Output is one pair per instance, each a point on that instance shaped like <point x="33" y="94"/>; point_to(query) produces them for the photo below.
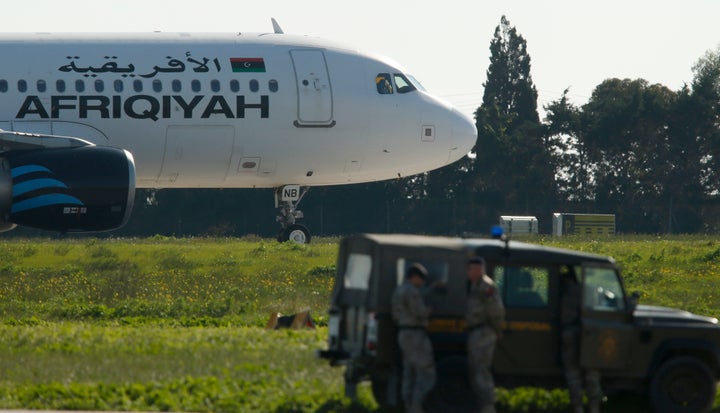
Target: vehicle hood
<point x="651" y="314"/>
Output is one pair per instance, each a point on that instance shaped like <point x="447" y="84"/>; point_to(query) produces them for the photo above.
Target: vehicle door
<point x="606" y="320"/>
<point x="529" y="345"/>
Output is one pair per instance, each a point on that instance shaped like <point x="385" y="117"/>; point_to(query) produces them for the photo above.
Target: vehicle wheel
<point x="296" y="233"/>
<point x="682" y="385"/>
<point x="452" y="392"/>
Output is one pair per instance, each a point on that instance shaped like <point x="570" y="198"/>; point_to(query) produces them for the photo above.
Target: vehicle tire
<point x="452" y="392"/>
<point x="682" y="385"/>
<point x="296" y="233"/>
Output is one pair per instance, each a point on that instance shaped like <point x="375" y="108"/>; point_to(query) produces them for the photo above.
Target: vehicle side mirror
<point x="634" y="300"/>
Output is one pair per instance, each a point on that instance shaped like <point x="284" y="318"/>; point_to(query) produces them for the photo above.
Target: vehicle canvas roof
<point x="493" y="249"/>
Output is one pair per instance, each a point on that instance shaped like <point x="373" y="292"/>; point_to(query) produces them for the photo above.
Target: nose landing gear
<point x="287" y="199"/>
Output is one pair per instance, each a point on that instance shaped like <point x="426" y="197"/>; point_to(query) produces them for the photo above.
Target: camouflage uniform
<point x="411" y="316"/>
<point x="570" y="318"/>
<point x="485" y="314"/>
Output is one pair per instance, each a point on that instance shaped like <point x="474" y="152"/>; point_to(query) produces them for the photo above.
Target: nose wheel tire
<point x="296" y="233"/>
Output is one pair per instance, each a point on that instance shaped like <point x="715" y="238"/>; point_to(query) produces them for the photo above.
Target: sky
<point x="444" y="44"/>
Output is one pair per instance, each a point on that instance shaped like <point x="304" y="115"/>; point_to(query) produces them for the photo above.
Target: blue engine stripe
<point x="27" y="169"/>
<point x="43" y="201"/>
<point x="35" y="184"/>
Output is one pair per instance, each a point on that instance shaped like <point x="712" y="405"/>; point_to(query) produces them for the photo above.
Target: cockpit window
<point x="387" y="83"/>
<point x="416" y="83"/>
<point x="383" y="81"/>
<point x="403" y="84"/>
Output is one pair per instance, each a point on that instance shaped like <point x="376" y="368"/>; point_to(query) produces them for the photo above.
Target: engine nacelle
<point x="83" y="189"/>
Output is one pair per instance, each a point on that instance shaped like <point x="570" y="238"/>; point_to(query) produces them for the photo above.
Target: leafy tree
<point x="512" y="169"/>
<point x="509" y="86"/>
<point x="703" y="113"/>
<point x="626" y="133"/>
<point x="570" y="159"/>
<point x="630" y="151"/>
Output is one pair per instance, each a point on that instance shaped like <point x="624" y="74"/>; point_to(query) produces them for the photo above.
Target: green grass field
<point x="165" y="324"/>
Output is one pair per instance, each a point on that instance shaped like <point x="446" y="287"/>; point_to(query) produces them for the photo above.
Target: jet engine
<point x="78" y="189"/>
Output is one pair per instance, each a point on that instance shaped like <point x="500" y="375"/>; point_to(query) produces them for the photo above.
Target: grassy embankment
<point x="166" y="324"/>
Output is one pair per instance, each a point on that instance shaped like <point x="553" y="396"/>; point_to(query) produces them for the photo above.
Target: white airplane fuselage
<point x="229" y="110"/>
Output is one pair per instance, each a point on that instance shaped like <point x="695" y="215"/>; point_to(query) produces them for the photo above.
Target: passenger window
<point x="99" y="85"/>
<point x="118" y="85"/>
<point x="22" y="86"/>
<point x="79" y="86"/>
<point x="522" y="287"/>
<point x="383" y="82"/>
<point x="603" y="290"/>
<point x="60" y="85"/>
<point x="3" y="86"/>
<point x="41" y="86"/>
<point x="357" y="271"/>
<point x="254" y="85"/>
<point x="157" y="85"/>
<point x="138" y="85"/>
<point x="273" y="85"/>
<point x="402" y="84"/>
<point x="234" y="86"/>
<point x="176" y="85"/>
<point x="195" y="85"/>
<point x="215" y="85"/>
<point x="437" y="273"/>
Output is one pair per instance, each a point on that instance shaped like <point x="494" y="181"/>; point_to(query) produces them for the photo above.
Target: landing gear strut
<point x="287" y="199"/>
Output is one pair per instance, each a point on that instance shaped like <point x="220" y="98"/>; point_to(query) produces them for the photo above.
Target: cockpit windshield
<point x="403" y="84"/>
<point x="388" y="83"/>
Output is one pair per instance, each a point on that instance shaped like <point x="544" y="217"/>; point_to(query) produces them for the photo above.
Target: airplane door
<point x="606" y="321"/>
<point x="315" y="101"/>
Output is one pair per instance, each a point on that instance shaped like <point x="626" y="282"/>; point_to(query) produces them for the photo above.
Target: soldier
<point x="485" y="314"/>
<point x="411" y="315"/>
<point x="570" y="319"/>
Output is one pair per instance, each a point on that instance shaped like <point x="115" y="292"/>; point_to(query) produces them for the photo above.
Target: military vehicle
<point x="669" y="355"/>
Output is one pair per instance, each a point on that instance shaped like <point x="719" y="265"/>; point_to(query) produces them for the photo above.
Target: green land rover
<point x="670" y="355"/>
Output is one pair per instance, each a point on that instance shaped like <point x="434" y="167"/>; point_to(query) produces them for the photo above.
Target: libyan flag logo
<point x="247" y="64"/>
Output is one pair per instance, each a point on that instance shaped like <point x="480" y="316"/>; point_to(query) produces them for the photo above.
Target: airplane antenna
<point x="276" y="26"/>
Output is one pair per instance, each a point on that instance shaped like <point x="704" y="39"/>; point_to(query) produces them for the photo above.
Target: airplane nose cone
<point x="464" y="135"/>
